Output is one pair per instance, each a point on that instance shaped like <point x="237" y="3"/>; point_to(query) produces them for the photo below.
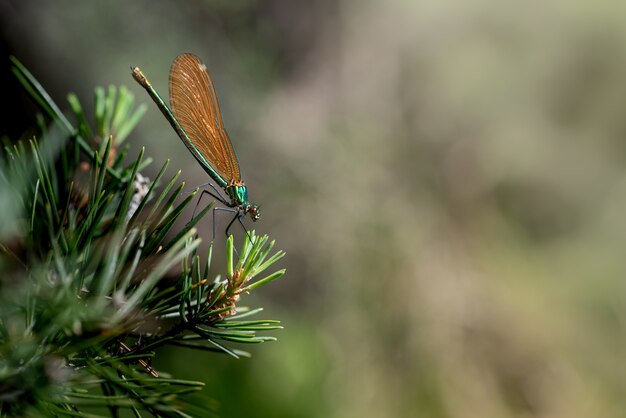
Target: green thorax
<point x="238" y="194"/>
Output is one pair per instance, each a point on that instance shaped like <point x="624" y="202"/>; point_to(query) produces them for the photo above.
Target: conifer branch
<point x="86" y="241"/>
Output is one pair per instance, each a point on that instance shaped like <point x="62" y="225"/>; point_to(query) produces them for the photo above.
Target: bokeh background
<point x="448" y="179"/>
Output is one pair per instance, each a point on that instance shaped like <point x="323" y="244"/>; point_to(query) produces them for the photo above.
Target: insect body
<point x="196" y="118"/>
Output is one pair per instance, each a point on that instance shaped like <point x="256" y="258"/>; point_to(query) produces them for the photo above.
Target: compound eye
<point x="255" y="212"/>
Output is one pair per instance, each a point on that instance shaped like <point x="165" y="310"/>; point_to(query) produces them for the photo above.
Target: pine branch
<point x="85" y="243"/>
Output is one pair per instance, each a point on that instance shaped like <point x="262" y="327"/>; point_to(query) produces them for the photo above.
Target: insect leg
<point x="231" y="222"/>
<point x="217" y="191"/>
<point x="231" y="210"/>
<point x="215" y="196"/>
<point x="240" y="219"/>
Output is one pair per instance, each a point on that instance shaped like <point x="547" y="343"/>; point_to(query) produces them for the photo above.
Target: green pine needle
<point x="88" y="245"/>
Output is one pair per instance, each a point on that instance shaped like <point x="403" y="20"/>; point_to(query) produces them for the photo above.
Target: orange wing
<point x="194" y="103"/>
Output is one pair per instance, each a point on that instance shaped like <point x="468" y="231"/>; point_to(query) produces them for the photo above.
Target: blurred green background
<point x="448" y="180"/>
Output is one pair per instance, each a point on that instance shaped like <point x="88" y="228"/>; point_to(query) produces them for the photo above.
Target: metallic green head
<point x="238" y="193"/>
<point x="254" y="211"/>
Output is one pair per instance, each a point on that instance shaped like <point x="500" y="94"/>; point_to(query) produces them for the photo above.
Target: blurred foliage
<point x="446" y="177"/>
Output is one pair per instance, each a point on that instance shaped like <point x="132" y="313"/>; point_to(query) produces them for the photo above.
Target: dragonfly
<point x="195" y="116"/>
